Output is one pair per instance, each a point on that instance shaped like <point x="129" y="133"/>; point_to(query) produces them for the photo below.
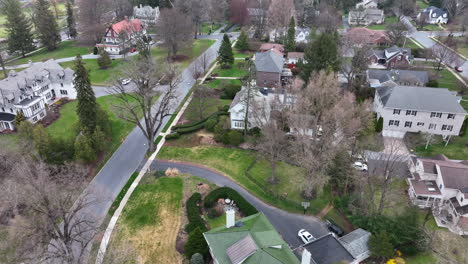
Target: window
<point x="61" y="84"/>
<point x="451" y="116"/>
<point x="440" y="186"/>
<point x="63" y="92"/>
<point x="435" y="114"/>
<point x="432" y="126"/>
<point x="42" y="114"/>
<point x="408" y="124"/>
<point x="409" y="112"/>
<point x="35" y="118"/>
<point x="447" y="127"/>
<point x="396" y="111"/>
<point x="238" y="124"/>
<point x="420" y="124"/>
<point x="394" y="123"/>
<point x="35" y="107"/>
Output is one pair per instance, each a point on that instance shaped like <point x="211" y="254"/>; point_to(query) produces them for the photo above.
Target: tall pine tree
<point x="242" y="43"/>
<point x="291" y="37"/>
<point x="18" y="27"/>
<point x="71" y="24"/>
<point x="87" y="106"/>
<point x="322" y="54"/>
<point x="226" y="57"/>
<point x="46" y="25"/>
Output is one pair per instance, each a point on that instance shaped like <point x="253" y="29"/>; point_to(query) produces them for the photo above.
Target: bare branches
<point x="175" y="29"/>
<point x="140" y="100"/>
<point x="443" y="56"/>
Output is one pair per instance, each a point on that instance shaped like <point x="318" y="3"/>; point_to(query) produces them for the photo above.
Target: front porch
<point x="446" y="216"/>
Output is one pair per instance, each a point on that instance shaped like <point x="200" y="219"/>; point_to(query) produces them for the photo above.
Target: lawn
<point x="388" y="21"/>
<point x="422" y="4"/>
<point x="446" y="79"/>
<point x="238" y="69"/>
<point x="218" y="83"/>
<point x="99" y="76"/>
<point x="66" y="49"/>
<point x="150" y="221"/>
<point x="427" y="27"/>
<point x="235" y="162"/>
<point x="9" y="141"/>
<point x="192" y="114"/>
<point x="456" y="149"/>
<point x="210" y="27"/>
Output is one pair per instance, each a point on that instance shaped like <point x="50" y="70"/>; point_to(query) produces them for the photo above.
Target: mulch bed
<point x="53" y="112"/>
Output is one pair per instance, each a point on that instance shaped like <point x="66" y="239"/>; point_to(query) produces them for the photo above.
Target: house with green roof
<point x="252" y="240"/>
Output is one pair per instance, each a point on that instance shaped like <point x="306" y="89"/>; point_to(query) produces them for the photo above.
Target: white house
<point x="366" y="13"/>
<point x="146" y="14"/>
<point x="302" y="34"/>
<point x="111" y="42"/>
<point x="366" y="4"/>
<point x="418" y="109"/>
<point x="30" y="90"/>
<point x="441" y="184"/>
<point x="434" y="15"/>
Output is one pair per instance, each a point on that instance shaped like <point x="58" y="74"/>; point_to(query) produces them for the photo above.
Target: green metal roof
<point x="271" y="247"/>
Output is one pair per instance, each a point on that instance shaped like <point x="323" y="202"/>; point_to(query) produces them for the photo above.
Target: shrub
<point x="196" y="244"/>
<point x="197" y="258"/>
<point x="193" y="214"/>
<point x="211" y="123"/>
<point x="230" y="91"/>
<point x="95" y="51"/>
<point x="380" y="246"/>
<point x="190" y="129"/>
<point x="226" y="66"/>
<point x="172" y="136"/>
<point x="433" y="83"/>
<point x="104" y="61"/>
<point x="213" y="213"/>
<point x="235" y="138"/>
<point x="379" y="125"/>
<point x="226" y="192"/>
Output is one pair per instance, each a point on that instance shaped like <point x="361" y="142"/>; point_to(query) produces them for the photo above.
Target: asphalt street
<point x="287" y="224"/>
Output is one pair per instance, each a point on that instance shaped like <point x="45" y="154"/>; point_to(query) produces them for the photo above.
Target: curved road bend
<point x="287" y="224"/>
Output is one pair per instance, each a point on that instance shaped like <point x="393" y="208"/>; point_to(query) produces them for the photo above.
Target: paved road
<point x="287" y="224"/>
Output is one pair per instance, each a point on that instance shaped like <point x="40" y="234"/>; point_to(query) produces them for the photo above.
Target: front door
<point x="53" y="94"/>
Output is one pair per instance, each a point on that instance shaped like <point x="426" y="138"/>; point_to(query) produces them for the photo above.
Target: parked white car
<point x="125" y="81"/>
<point x="360" y="166"/>
<point x="305" y="236"/>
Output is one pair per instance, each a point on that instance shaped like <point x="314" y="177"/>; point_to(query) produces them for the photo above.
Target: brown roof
<point x="463" y="223"/>
<point x="269" y="46"/>
<point x="422" y="187"/>
<point x="454" y="174"/>
<point x="361" y="35"/>
<point x="296" y="55"/>
<point x="429" y="167"/>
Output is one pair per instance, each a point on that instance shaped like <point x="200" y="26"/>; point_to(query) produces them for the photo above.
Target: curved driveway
<point x="287" y="224"/>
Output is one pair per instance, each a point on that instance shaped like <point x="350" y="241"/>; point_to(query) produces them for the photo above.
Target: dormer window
<point x="445" y="15"/>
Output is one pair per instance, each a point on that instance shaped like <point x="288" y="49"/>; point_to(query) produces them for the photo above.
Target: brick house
<point x="269" y="67"/>
<point x="393" y="57"/>
<point x="360" y="36"/>
<point x="111" y="41"/>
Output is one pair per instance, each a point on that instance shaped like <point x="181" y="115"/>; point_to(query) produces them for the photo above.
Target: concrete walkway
<point x="395" y="146"/>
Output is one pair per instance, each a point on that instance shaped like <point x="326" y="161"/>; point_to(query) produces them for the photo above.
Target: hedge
<point x="226" y="192"/>
<point x="193" y="214"/>
<point x="215" y="114"/>
<point x="190" y="129"/>
<point x="175" y="135"/>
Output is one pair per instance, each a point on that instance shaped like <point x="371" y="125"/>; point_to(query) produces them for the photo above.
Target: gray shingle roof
<point x="420" y="98"/>
<point x="269" y="62"/>
<point x="399" y="75"/>
<point x="438" y="11"/>
<point x="356" y="242"/>
<point x="7" y="117"/>
<point x="328" y="250"/>
<point x="241" y="250"/>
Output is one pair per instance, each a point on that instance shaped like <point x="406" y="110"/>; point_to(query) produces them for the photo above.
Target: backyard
<point x="388" y="21"/>
<point x="238" y="69"/>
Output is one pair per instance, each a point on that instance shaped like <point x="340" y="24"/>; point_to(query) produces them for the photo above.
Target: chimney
<point x="306" y="257"/>
<point x="230" y="217"/>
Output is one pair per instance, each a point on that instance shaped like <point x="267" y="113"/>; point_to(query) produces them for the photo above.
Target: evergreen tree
<point x="290" y="42"/>
<point x="226" y="57"/>
<point x="322" y="54"/>
<point x="99" y="139"/>
<point x="84" y="149"/>
<point x="19" y="118"/>
<point x="242" y="43"/>
<point x="46" y="25"/>
<point x="18" y="28"/>
<point x="104" y="61"/>
<point x="197" y="258"/>
<point x="42" y="141"/>
<point x="380" y="246"/>
<point x="87" y="107"/>
<point x="71" y="24"/>
<point x="196" y="244"/>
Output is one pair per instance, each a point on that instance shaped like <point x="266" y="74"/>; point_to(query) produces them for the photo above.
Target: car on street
<point x="458" y="69"/>
<point x="360" y="166"/>
<point x="125" y="81"/>
<point x="332" y="227"/>
<point x="305" y="236"/>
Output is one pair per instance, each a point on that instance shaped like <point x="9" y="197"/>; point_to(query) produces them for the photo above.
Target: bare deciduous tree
<point x="196" y="9"/>
<point x="50" y="218"/>
<point x="217" y="10"/>
<point x="140" y="100"/>
<point x="443" y="56"/>
<point x="175" y="29"/>
<point x="200" y="100"/>
<point x="396" y="33"/>
<point x="238" y="12"/>
<point x="91" y="20"/>
<point x="358" y="15"/>
<point x="258" y="17"/>
<point x="328" y="19"/>
<point x="357" y="66"/>
<point x="324" y="119"/>
<point x="280" y="13"/>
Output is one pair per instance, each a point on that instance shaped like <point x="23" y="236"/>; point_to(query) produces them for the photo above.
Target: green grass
<point x="192" y="113"/>
<point x="216" y="222"/>
<point x="410" y="43"/>
<point x="206" y="26"/>
<point x="336" y="217"/>
<point x="99" y="76"/>
<point x="218" y="83"/>
<point x="122" y="193"/>
<point x="447" y="80"/>
<point x="422" y="258"/>
<point x="427" y="27"/>
<point x="9" y="141"/>
<point x="234" y="163"/>
<point x="236" y="70"/>
<point x="456" y="149"/>
<point x="464" y="103"/>
<point x="388" y="21"/>
<point x="422" y="4"/>
<point x="66" y="49"/>
<point x="141" y="210"/>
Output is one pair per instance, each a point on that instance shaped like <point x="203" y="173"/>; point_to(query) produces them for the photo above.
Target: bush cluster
<point x="193" y="214"/>
<point x="226" y="192"/>
<point x="192" y="127"/>
<point x="230" y="91"/>
<point x="174" y="135"/>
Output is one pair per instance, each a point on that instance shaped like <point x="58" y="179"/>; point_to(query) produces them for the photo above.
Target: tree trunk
<point x="2" y="63"/>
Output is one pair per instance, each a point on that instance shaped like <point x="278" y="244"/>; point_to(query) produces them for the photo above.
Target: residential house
<point x="301" y="36"/>
<point x="328" y="249"/>
<point x="269" y="69"/>
<point x="419" y="109"/>
<point x="30" y="90"/>
<point x="441" y="184"/>
<point x="294" y="57"/>
<point x="251" y="240"/>
<point x="277" y="48"/>
<point x="147" y="15"/>
<point x="360" y="36"/>
<point x="434" y="15"/>
<point x="367" y="4"/>
<point x="393" y="57"/>
<point x="112" y="43"/>
<point x="366" y="16"/>
<point x="379" y="78"/>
